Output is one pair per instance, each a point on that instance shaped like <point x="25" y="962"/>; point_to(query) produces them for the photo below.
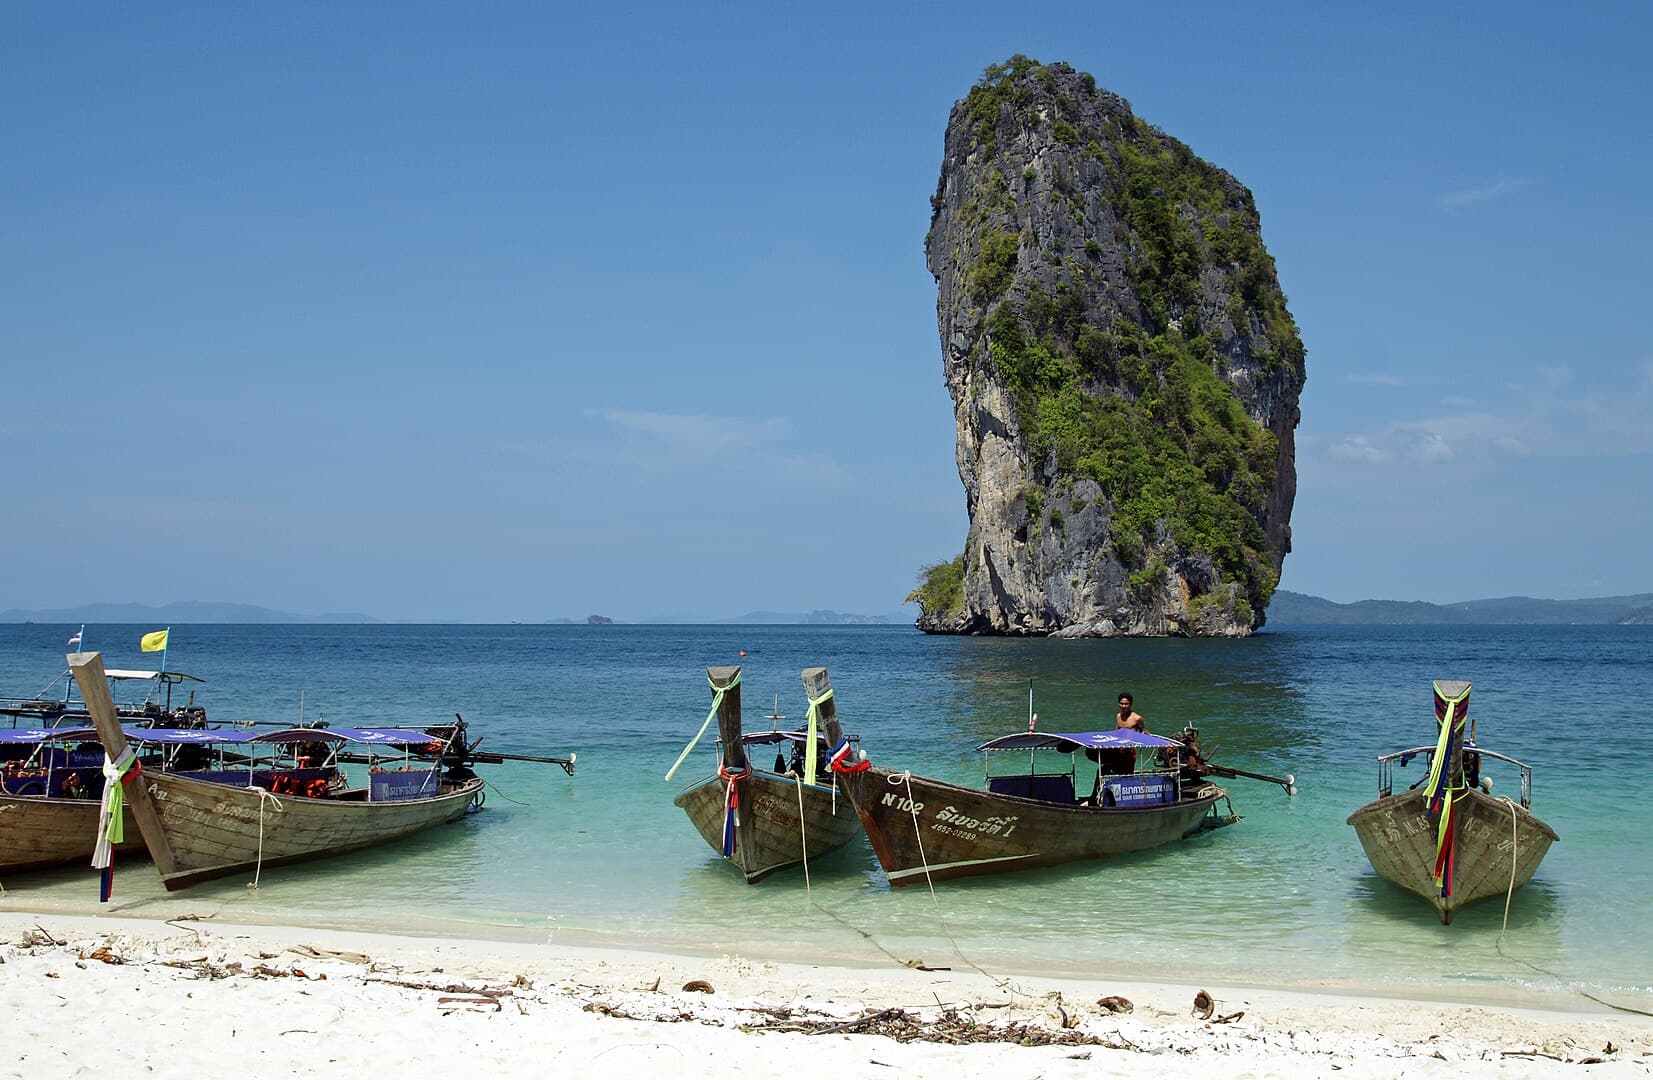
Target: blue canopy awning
<point x="40" y="735"/>
<point x="133" y="734"/>
<point x="1069" y="741"/>
<point x="380" y="736"/>
<point x="209" y="736"/>
<point x="186" y="736"/>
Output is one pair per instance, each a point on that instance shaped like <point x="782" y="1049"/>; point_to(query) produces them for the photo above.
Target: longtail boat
<point x="1447" y="839"/>
<point x="930" y="830"/>
<point x="763" y="820"/>
<point x="54" y="707"/>
<point x="247" y="817"/>
<point x="50" y="782"/>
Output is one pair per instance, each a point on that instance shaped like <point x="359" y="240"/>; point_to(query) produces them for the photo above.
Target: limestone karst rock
<point x="1124" y="372"/>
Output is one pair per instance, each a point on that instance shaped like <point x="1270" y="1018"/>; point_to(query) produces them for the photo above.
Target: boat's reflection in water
<point x="1389" y="923"/>
<point x="435" y="870"/>
<point x="1244" y="700"/>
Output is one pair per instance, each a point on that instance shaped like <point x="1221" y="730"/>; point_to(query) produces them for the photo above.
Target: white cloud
<point x="1439" y="439"/>
<point x="659" y="441"/>
<point x="696" y="435"/>
<point x="1458" y="200"/>
<point x="1431" y="448"/>
<point x="1545" y="413"/>
<point x="1360" y="448"/>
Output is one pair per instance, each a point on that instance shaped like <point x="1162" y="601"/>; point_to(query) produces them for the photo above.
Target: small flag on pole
<point x="78" y="634"/>
<point x="155" y="642"/>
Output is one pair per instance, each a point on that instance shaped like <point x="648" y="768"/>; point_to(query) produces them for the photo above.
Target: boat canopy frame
<point x="795" y="739"/>
<point x="162" y="680"/>
<point x="1386" y="768"/>
<point x="166" y="743"/>
<point x="771" y="738"/>
<point x="1070" y="742"/>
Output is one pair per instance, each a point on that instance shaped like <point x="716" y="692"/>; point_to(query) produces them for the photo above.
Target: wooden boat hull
<point x="216" y="829"/>
<point x="963" y="832"/>
<point x="768" y="837"/>
<point x="37" y="832"/>
<point x="1400" y="844"/>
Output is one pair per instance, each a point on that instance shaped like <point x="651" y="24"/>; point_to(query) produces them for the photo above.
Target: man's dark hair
<point x="1127" y="698"/>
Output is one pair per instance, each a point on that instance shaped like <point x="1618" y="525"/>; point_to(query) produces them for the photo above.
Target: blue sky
<point x="435" y="313"/>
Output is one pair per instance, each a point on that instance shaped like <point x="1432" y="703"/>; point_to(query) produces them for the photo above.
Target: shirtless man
<point x="1123" y="762"/>
<point x="1120" y="762"/>
<point x="1128" y="717"/>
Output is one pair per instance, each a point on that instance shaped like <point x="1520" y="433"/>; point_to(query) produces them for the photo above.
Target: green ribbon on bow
<point x="810" y="752"/>
<point x="114" y="804"/>
<point x="717" y="699"/>
<point x="116" y="832"/>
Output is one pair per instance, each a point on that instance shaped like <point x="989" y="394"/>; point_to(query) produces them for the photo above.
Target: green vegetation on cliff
<point x="940" y="589"/>
<point x="1172" y="447"/>
<point x="1182" y="216"/>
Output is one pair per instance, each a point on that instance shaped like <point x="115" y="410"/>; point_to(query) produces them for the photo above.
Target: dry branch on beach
<point x="949" y="1026"/>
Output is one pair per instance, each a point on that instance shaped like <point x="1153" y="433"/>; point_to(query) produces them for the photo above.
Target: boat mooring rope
<point x="263" y="797"/>
<point x="803" y="836"/>
<point x="809" y="890"/>
<point x="1515" y="857"/>
<point x="905" y="776"/>
<point x="495" y="788"/>
<point x="1515" y="854"/>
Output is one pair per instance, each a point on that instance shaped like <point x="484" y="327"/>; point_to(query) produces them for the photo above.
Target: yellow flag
<point x="154" y="642"/>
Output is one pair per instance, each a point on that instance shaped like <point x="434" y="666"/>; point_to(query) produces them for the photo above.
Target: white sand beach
<point x="86" y="995"/>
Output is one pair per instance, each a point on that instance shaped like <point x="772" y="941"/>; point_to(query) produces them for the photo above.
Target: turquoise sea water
<point x="1284" y="896"/>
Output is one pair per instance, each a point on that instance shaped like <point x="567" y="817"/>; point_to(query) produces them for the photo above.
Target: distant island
<point x="196" y="611"/>
<point x="184" y="611"/>
<point x="1298" y="609"/>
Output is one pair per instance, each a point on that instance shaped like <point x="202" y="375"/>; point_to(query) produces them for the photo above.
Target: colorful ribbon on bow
<point x="731" y="807"/>
<point x="111" y="816"/>
<point x="840" y="753"/>
<point x="1440" y="793"/>
<point x="717" y="699"/>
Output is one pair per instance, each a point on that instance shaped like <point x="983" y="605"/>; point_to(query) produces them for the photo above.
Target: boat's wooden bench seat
<point x="1055" y="789"/>
<point x="260" y="777"/>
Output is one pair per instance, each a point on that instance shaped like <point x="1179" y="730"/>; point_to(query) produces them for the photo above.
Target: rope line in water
<point x="1515" y="857"/>
<point x="809" y="890"/>
<point x="905" y="776"/>
<point x="803" y="838"/>
<point x="1515" y="854"/>
<point x="501" y="794"/>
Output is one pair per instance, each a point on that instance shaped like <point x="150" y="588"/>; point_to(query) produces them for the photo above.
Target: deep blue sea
<point x="1283" y="896"/>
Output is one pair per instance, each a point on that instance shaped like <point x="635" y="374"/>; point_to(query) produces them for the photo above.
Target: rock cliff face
<point x="1124" y="372"/>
